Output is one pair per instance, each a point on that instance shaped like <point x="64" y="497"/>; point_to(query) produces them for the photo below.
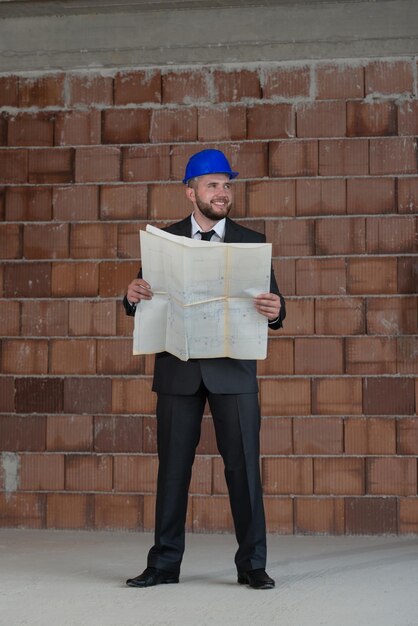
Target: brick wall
<point x="327" y="154"/>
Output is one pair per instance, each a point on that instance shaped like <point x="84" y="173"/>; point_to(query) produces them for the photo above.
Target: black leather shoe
<point x="152" y="576"/>
<point x="256" y="578"/>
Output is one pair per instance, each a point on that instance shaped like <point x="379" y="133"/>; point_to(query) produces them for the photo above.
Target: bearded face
<point x="213" y="196"/>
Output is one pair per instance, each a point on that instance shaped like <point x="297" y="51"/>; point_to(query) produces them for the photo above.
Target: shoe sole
<point x="162" y="582"/>
<point x="245" y="581"/>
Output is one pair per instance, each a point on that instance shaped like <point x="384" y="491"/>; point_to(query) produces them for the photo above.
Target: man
<point x="229" y="385"/>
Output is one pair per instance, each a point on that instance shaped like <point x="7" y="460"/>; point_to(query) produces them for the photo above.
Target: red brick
<point x="13" y="166"/>
<point x="88" y="473"/>
<point x="296" y="158"/>
<point x="293" y="237"/>
<point x="287" y="476"/>
<point x="392" y="476"/>
<point x="320" y="277"/>
<point x="114" y="356"/>
<point x="211" y="513"/>
<point x="2" y="203"/>
<point x="10" y="241"/>
<point x="75" y="279"/>
<point x="9" y="318"/>
<point x="39" y="472"/>
<point x="168" y="202"/>
<point x="372" y="276"/>
<point x="137" y="87"/>
<point x="339" y="81"/>
<point x="280" y="358"/>
<point x="392" y="316"/>
<point x="235" y="85"/>
<point x="318" y="436"/>
<point x="218" y="477"/>
<point x="321" y="119"/>
<point x="24" y="356"/>
<point x="98" y="164"/>
<point x="340" y="236"/>
<point x="69" y="432"/>
<point x="371" y="435"/>
<point x="271" y="198"/>
<point x="371" y="516"/>
<point x="21" y="509"/>
<point x="270" y="121"/>
<point x="299" y="319"/>
<point x="319" y="516"/>
<point x="337" y="396"/>
<point x="123" y="202"/>
<point x="408" y="515"/>
<point x="201" y="482"/>
<point x="339" y="476"/>
<point x="180" y="154"/>
<point x="115" y="433"/>
<point x="9" y="91"/>
<point x="185" y="87"/>
<point x="25" y="280"/>
<point x="276" y="436"/>
<point x="126" y="126"/>
<point x="408" y="195"/>
<point x="28" y="204"/>
<point x="7" y="394"/>
<point x="90" y="89"/>
<point x="397" y="155"/>
<point x="46" y="241"/>
<point x="87" y="395"/>
<point x="289" y="396"/>
<point x="143" y="163"/>
<point x="249" y="159"/>
<point x="3" y="129"/>
<point x="392" y="235"/>
<point x="73" y="356"/>
<point x="132" y="396"/>
<point x="92" y="318"/>
<point x="136" y="473"/>
<point x="128" y="240"/>
<point x="77" y="128"/>
<point x="30" y="129"/>
<point x="407" y="435"/>
<point x="319" y="355"/>
<point x="93" y="241"/>
<point x="389" y="77"/>
<point x="118" y="512"/>
<point x="170" y="125"/>
<point x="115" y="277"/>
<point x="407" y="274"/>
<point x="22" y="433"/>
<point x="76" y="203"/>
<point x="368" y="195"/>
<point x="54" y="165"/>
<point x="279" y="515"/>
<point x="42" y="91"/>
<point x="408" y="118"/>
<point x="340" y="316"/>
<point x="343" y="157"/>
<point x="69" y="511"/>
<point x="284" y="271"/>
<point x="221" y="123"/>
<point x="320" y="197"/>
<point x="388" y="396"/>
<point x="38" y="395"/>
<point x="407" y="355"/>
<point x="371" y="119"/>
<point x="370" y="355"/>
<point x="286" y="82"/>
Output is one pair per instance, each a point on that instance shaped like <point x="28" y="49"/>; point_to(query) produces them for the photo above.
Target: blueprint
<point x="202" y="305"/>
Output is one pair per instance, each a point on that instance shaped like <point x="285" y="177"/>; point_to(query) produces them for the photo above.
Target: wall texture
<point x="327" y="155"/>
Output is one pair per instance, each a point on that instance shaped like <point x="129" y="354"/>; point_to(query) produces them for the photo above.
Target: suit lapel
<point x="233" y="233"/>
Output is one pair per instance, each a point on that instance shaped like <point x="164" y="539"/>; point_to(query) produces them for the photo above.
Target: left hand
<point x="268" y="304"/>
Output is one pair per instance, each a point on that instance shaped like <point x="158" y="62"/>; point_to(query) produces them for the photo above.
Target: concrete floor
<point x="65" y="578"/>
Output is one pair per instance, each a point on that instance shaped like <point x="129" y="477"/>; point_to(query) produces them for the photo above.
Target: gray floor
<point x="65" y="578"/>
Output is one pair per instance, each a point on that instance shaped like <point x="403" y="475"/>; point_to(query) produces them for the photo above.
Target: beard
<point x="213" y="213"/>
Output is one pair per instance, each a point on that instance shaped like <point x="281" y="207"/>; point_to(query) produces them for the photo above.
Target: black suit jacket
<point x="222" y="375"/>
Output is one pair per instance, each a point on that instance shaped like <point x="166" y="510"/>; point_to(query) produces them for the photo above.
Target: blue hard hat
<point x="208" y="162"/>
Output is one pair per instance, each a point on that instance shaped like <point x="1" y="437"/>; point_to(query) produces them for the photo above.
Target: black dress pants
<point x="237" y="424"/>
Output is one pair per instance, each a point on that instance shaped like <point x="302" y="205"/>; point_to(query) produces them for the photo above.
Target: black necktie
<point x="207" y="236"/>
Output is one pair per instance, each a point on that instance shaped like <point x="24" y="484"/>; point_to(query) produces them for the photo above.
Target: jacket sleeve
<point x="130" y="308"/>
<point x="277" y="323"/>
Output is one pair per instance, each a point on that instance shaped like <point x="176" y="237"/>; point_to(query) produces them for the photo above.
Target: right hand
<point x="138" y="290"/>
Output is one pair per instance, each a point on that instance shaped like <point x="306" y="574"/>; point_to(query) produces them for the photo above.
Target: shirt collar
<point x="219" y="227"/>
